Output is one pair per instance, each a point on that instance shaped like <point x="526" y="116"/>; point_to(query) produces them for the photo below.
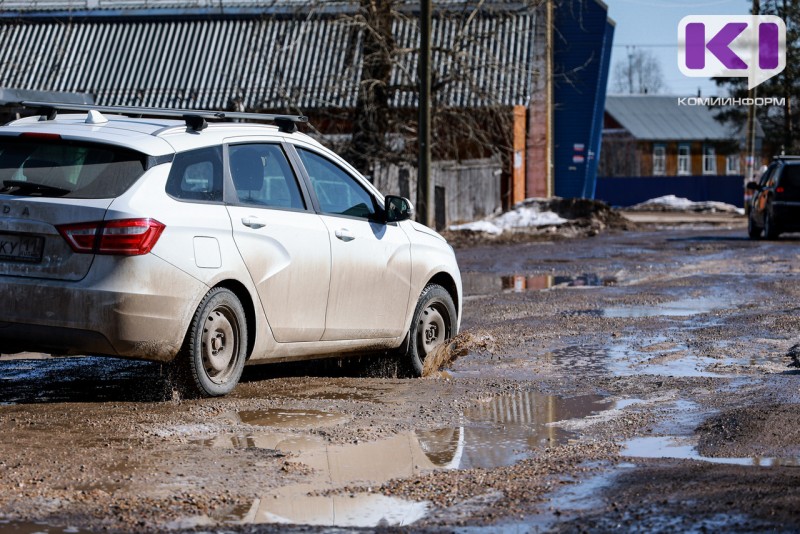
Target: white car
<point x="209" y="245"/>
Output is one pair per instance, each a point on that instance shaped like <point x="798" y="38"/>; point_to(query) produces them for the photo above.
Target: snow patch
<point x="671" y="202"/>
<point x="520" y="217"/>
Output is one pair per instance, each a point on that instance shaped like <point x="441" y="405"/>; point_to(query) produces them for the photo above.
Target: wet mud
<point x="631" y="381"/>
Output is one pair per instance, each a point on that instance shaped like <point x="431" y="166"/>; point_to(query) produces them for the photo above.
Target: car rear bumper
<point x="135" y="307"/>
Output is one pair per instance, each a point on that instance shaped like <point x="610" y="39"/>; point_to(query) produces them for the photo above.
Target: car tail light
<point x="126" y="237"/>
<point x="779" y="189"/>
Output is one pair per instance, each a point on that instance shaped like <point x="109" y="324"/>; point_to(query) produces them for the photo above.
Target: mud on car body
<point x="208" y="245"/>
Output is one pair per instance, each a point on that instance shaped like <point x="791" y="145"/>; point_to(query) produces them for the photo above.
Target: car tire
<point x="212" y="360"/>
<point x="433" y="323"/>
<point x="752" y="230"/>
<point x="771" y="230"/>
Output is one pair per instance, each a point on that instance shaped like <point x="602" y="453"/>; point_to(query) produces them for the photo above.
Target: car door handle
<point x="253" y="222"/>
<point x="344" y="234"/>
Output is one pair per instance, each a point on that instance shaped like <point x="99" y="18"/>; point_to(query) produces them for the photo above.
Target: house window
<point x="659" y="160"/>
<point x="684" y="161"/>
<point x="732" y="164"/>
<point x="709" y="160"/>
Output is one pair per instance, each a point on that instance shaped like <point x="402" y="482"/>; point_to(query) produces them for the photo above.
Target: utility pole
<point x="425" y="207"/>
<point x="750" y="149"/>
<point x="631" y="50"/>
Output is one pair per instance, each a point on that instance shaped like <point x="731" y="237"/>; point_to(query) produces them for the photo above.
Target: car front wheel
<point x="215" y="350"/>
<point x="434" y="322"/>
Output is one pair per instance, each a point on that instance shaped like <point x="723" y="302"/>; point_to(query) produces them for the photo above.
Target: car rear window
<point x="61" y="168"/>
<point x="790" y="177"/>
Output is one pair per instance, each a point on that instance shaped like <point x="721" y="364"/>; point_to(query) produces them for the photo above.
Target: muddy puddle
<point x="495" y="432"/>
<point x="677" y="308"/>
<point x="684" y="448"/>
<point x="572" y="497"/>
<point x="623" y="357"/>
<point x="13" y="527"/>
<point x="283" y="418"/>
<point x="36" y="378"/>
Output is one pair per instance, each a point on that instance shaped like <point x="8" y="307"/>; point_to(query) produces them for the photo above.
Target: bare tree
<point x="639" y="73"/>
<point x="371" y="114"/>
<point x="471" y="114"/>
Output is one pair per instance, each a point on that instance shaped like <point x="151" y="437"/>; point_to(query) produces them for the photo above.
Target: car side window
<point x="196" y="175"/>
<point x="338" y="192"/>
<point x="262" y="176"/>
<point x="766" y="179"/>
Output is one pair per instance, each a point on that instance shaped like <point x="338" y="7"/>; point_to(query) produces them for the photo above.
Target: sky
<point x="653" y="25"/>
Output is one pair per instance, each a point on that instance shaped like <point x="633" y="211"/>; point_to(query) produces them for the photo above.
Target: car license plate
<point x="18" y="247"/>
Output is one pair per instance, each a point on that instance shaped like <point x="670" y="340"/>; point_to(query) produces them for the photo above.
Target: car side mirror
<point x="753" y="186"/>
<point x="398" y="208"/>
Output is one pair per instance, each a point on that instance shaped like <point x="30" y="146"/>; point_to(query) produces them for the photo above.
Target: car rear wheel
<point x="771" y="230"/>
<point x="216" y="346"/>
<point x="434" y="322"/>
<point x="752" y="230"/>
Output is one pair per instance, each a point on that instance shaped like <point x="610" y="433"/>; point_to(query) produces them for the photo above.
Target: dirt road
<point x="632" y="381"/>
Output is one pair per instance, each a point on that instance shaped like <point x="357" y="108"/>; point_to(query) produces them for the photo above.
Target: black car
<point x="775" y="206"/>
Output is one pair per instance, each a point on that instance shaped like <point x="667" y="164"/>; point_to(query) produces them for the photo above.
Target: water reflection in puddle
<point x="684" y="449"/>
<point x="497" y="432"/>
<point x="508" y="428"/>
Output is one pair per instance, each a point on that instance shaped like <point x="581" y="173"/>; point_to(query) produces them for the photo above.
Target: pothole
<point x="676" y="308"/>
<point x="497" y="432"/>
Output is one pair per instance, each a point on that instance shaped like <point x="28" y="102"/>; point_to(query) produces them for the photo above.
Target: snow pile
<point x="673" y="203"/>
<point x="522" y="216"/>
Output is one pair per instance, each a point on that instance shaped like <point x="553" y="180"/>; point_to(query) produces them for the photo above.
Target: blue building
<point x="582" y="52"/>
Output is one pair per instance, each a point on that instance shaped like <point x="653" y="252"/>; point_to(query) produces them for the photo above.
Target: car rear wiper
<point x="21" y="187"/>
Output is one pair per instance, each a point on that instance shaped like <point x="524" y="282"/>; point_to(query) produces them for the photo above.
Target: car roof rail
<point x="195" y="118"/>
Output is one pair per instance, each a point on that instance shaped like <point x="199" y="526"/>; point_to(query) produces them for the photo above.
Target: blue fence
<point x="625" y="192"/>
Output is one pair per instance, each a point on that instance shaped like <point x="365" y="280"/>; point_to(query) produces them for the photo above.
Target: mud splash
<point x="444" y="355"/>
